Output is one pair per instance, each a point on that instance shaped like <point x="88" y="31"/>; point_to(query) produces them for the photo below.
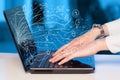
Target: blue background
<point x="108" y="10"/>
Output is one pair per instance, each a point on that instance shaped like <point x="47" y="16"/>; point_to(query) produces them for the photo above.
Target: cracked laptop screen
<point x="43" y="27"/>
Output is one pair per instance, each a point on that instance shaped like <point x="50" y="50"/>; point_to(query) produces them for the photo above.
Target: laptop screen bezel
<point x="12" y="34"/>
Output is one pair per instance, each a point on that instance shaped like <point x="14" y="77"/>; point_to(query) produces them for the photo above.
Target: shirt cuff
<point x="113" y="43"/>
<point x="113" y="27"/>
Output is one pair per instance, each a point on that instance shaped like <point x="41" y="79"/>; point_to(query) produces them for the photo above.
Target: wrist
<point x="99" y="31"/>
<point x="95" y="32"/>
<point x="105" y="29"/>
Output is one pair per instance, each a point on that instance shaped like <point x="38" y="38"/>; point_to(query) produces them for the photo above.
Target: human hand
<point x="75" y="51"/>
<point x="79" y="51"/>
<point x="82" y="40"/>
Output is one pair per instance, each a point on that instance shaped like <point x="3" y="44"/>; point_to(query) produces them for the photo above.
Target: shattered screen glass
<point x="43" y="27"/>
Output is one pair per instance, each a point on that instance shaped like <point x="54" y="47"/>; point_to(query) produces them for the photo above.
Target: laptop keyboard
<point x="42" y="61"/>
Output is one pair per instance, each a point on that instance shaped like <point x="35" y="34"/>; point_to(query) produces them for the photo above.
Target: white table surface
<point x="107" y="68"/>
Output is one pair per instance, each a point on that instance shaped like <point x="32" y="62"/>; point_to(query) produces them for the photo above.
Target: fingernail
<point x="50" y="60"/>
<point x="59" y="63"/>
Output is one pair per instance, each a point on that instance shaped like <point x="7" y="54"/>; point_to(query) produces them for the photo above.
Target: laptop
<point x="36" y="42"/>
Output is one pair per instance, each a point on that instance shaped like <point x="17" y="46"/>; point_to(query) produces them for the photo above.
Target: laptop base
<point x="62" y="71"/>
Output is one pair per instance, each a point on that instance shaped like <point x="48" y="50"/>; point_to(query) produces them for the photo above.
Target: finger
<point x="66" y="59"/>
<point x="60" y="50"/>
<point x="59" y="57"/>
<point x="64" y="53"/>
<point x="53" y="59"/>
